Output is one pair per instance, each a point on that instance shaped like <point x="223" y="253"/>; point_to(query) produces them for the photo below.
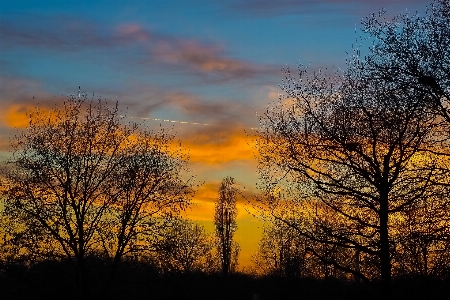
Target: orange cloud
<point x="215" y="145"/>
<point x="17" y="115"/>
<point x="202" y="208"/>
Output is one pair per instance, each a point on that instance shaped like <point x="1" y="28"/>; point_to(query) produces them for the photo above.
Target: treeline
<point x="282" y="252"/>
<point x="354" y="172"/>
<point x="140" y="280"/>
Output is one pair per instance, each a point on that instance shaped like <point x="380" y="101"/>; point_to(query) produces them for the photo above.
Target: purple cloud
<point x="148" y="100"/>
<point x="57" y="33"/>
<point x="151" y="48"/>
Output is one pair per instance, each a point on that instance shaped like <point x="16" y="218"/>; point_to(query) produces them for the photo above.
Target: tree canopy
<point x="345" y="158"/>
<point x="83" y="183"/>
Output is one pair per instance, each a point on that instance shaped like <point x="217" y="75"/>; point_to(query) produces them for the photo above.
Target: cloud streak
<point x="149" y="48"/>
<point x="56" y="33"/>
<point x="205" y="59"/>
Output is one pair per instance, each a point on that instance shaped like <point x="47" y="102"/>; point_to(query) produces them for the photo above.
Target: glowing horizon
<point x="202" y="69"/>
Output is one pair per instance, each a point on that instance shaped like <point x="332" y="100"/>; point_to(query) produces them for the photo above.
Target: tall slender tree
<point x="225" y="223"/>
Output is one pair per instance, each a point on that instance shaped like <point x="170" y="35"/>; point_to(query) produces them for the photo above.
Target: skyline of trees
<point x="354" y="172"/>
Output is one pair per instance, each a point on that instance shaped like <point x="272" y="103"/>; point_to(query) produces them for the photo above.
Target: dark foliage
<point x="53" y="280"/>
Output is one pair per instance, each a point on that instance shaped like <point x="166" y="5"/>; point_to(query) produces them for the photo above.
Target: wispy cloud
<point x="132" y="33"/>
<point x="15" y="89"/>
<point x="200" y="57"/>
<point x="61" y="34"/>
<point x="147" y="101"/>
<point x="217" y="111"/>
<point x="205" y="59"/>
<point x="56" y="33"/>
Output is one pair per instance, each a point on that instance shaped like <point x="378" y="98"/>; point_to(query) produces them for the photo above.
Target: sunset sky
<point x="207" y="66"/>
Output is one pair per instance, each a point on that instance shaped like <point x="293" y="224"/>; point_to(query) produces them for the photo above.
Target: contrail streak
<point x="176" y="121"/>
<point x="169" y="121"/>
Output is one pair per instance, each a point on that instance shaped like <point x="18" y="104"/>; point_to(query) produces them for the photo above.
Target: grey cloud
<point x="147" y="101"/>
<point x="66" y="34"/>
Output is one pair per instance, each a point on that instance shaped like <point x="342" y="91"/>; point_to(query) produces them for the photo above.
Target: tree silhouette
<point x="422" y="239"/>
<point x="183" y="246"/>
<point x="361" y="150"/>
<point x="414" y="51"/>
<point x="281" y="252"/>
<point x="225" y="223"/>
<point x="81" y="183"/>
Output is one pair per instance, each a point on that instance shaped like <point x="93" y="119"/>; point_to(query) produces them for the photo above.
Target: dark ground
<point x="51" y="280"/>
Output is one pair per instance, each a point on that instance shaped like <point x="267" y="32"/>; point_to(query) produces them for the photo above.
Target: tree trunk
<point x="82" y="279"/>
<point x="425" y="260"/>
<point x="385" y="257"/>
<point x="111" y="275"/>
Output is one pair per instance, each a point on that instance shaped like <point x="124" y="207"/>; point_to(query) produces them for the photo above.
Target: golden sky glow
<point x="212" y="148"/>
<point x="194" y="62"/>
<point x="249" y="228"/>
<point x="16" y="116"/>
<point x="214" y="153"/>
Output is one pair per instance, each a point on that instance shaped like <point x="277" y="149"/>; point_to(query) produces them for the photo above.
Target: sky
<point x="204" y="69"/>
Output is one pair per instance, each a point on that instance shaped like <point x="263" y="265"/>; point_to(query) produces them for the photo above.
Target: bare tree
<point x="150" y="189"/>
<point x="422" y="237"/>
<point x="355" y="144"/>
<point x="367" y="148"/>
<point x="184" y="246"/>
<point x="225" y="223"/>
<point x="280" y="251"/>
<point x="83" y="183"/>
<point x="414" y="51"/>
<point x="283" y="252"/>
